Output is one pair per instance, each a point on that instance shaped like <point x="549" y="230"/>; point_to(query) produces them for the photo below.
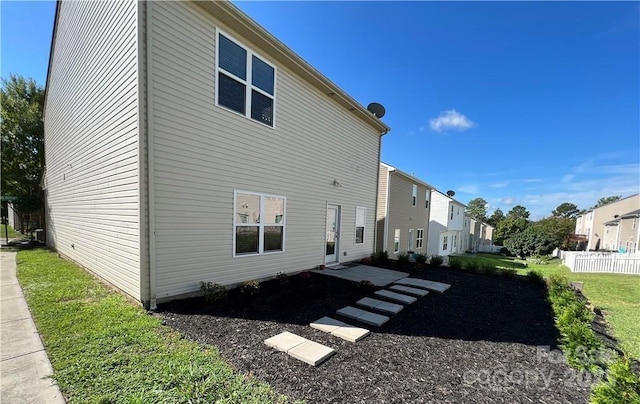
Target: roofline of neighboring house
<point x="635" y="213"/>
<point x="407" y="175"/>
<point x="447" y="196"/>
<point x="51" y="49"/>
<point x="233" y="17"/>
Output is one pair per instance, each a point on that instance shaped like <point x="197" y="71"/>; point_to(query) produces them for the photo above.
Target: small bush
<point x="540" y="259"/>
<point x="455" y="263"/>
<point x="489" y="269"/>
<point x="420" y="258"/>
<point x="622" y="385"/>
<point x="283" y="279"/>
<point x="366" y="286"/>
<point x="403" y="258"/>
<point x="472" y="265"/>
<point x="535" y="276"/>
<point x="436" y="260"/>
<point x="250" y="288"/>
<point x="380" y="257"/>
<point x="213" y="292"/>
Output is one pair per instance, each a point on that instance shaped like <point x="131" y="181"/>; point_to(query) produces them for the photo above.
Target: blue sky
<point x="530" y="103"/>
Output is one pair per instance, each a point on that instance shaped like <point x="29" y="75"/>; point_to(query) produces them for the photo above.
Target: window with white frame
<point x="635" y="222"/>
<point x="445" y="243"/>
<point x="245" y="82"/>
<point x="455" y="240"/>
<point x="410" y="241"/>
<point x="258" y="223"/>
<point x="451" y="212"/>
<point x="426" y="198"/>
<point x="414" y="195"/>
<point x="396" y="240"/>
<point x="419" y="238"/>
<point x="361" y="218"/>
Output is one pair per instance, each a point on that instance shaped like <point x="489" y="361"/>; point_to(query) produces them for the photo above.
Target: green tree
<point x="605" y="201"/>
<point x="531" y="241"/>
<point x="477" y="208"/>
<point x="496" y="217"/>
<point x="519" y="212"/>
<point x="558" y="228"/>
<point x="567" y="210"/>
<point x="22" y="152"/>
<point x="516" y="221"/>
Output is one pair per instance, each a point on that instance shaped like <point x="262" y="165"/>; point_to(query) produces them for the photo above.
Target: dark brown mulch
<point x="481" y="341"/>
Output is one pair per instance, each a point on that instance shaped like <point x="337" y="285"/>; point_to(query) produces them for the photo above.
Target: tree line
<point x="523" y="237"/>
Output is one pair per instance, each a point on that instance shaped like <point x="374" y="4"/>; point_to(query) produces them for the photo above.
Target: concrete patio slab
<point x="380" y="305"/>
<point x="285" y="341"/>
<point x="377" y="276"/>
<point x="311" y="352"/>
<point x="327" y="324"/>
<point x="14" y="309"/>
<point x="424" y="284"/>
<point x="409" y="290"/>
<point x="396" y="297"/>
<point x="363" y="316"/>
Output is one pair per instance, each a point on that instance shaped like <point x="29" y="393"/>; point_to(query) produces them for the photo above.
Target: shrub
<point x="472" y="265"/>
<point x="380" y="257"/>
<point x="250" y="288"/>
<point x="436" y="260"/>
<point x="535" y="276"/>
<point x="366" y="286"/>
<point x="622" y="385"/>
<point x="283" y="279"/>
<point x="421" y="258"/>
<point x="540" y="259"/>
<point x="213" y="292"/>
<point x="455" y="263"/>
<point x="403" y="258"/>
<point x="488" y="268"/>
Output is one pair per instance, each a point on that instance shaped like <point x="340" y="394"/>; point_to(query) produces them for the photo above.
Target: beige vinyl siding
<point x="202" y="153"/>
<point x="91" y="141"/>
<point x="402" y="215"/>
<point x="381" y="209"/>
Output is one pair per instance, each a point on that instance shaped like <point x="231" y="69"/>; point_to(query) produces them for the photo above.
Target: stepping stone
<point x="339" y="329"/>
<point x="396" y="297"/>
<point x="409" y="290"/>
<point x="363" y="316"/>
<point x="311" y="352"/>
<point x="285" y="341"/>
<point x="424" y="284"/>
<point x="380" y="305"/>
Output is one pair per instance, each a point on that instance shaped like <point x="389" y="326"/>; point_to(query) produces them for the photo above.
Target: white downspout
<point x="150" y="161"/>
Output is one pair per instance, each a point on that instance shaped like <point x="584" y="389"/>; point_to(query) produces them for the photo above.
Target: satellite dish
<point x="376" y="109"/>
<point x="450" y="193"/>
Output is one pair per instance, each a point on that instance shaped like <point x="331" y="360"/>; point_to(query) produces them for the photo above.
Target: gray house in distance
<point x="184" y="143"/>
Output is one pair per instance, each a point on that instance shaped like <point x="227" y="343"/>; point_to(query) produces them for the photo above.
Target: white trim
<point x="410" y="241"/>
<point x="396" y="239"/>
<point x="419" y="232"/>
<point x="339" y="226"/>
<point x="150" y="161"/>
<point x="364" y="227"/>
<point x="261" y="225"/>
<point x="414" y="195"/>
<point x="385" y="246"/>
<point x="247" y="82"/>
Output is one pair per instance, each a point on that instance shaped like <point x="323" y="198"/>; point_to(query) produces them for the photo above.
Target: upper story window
<point x="635" y="222"/>
<point x="245" y="82"/>
<point x="426" y="198"/>
<point x="414" y="195"/>
<point x="451" y="212"/>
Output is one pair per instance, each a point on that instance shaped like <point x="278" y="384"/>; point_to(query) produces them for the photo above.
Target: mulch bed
<point x="478" y="342"/>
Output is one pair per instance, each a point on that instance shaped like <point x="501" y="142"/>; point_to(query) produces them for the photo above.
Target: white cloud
<point x="469" y="189"/>
<point x="499" y="184"/>
<point x="567" y="178"/>
<point x="451" y="120"/>
<point x="507" y="201"/>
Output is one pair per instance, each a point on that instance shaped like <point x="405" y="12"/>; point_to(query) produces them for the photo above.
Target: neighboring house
<point x="446" y="225"/>
<point x="594" y="223"/>
<point x="184" y="143"/>
<point x="479" y="235"/>
<point x="402" y="218"/>
<point x="623" y="233"/>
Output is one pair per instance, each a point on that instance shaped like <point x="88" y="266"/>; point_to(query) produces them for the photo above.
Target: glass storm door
<point x="333" y="234"/>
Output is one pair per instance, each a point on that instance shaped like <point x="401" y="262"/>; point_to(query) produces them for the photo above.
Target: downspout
<point x="385" y="240"/>
<point x="375" y="231"/>
<point x="150" y="161"/>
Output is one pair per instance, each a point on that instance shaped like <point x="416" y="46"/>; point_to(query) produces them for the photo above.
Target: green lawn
<point x="106" y="349"/>
<point x="12" y="233"/>
<point x="617" y="295"/>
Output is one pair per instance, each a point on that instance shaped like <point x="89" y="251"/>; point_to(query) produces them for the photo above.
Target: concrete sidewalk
<point x="24" y="364"/>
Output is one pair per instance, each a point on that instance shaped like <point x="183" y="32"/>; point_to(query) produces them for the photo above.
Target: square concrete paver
<point x="424" y="284"/>
<point x="285" y="341"/>
<point x="396" y="297"/>
<point x="363" y="316"/>
<point x="14" y="309"/>
<point x="311" y="352"/>
<point x="438" y="287"/>
<point x="350" y="333"/>
<point x="377" y="276"/>
<point x="409" y="290"/>
<point x="327" y="324"/>
<point x="380" y="305"/>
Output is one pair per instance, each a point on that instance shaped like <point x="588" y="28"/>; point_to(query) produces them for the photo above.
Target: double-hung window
<point x="258" y="222"/>
<point x="361" y="218"/>
<point x="414" y="195"/>
<point x="419" y="238"/>
<point x="245" y="82"/>
<point x="426" y="198"/>
<point x="445" y="243"/>
<point x="396" y="240"/>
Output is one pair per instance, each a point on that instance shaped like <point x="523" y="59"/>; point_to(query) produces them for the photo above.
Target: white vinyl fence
<point x="489" y="248"/>
<point x="601" y="262"/>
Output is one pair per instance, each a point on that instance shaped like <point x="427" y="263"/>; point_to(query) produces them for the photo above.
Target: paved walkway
<point x="24" y="364"/>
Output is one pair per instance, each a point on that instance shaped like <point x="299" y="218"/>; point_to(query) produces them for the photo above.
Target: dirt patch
<point x="480" y="341"/>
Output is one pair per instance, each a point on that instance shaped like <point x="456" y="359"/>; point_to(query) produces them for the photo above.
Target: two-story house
<point x="446" y="225"/>
<point x="185" y="143"/>
<point x="596" y="224"/>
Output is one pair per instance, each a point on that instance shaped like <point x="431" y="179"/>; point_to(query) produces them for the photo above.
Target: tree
<point x="509" y="227"/>
<point x="567" y="210"/>
<point x="519" y="212"/>
<point x="532" y="241"/>
<point x="496" y="217"/>
<point x="605" y="201"/>
<point x="558" y="228"/>
<point x="22" y="142"/>
<point x="477" y="208"/>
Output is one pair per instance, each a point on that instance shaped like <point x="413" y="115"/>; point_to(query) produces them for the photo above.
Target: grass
<point x="11" y="231"/>
<point x="618" y="296"/>
<point x="105" y="349"/>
